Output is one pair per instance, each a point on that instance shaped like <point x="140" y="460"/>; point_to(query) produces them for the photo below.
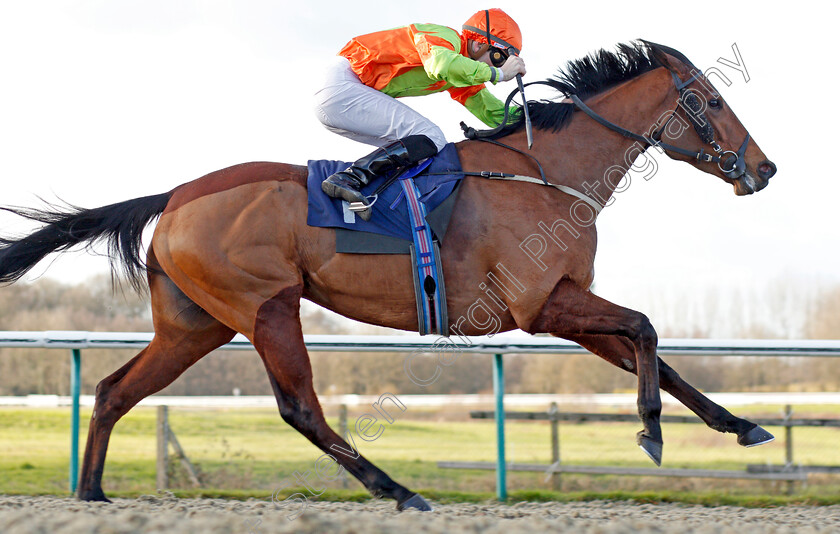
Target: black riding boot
<point x="403" y="153"/>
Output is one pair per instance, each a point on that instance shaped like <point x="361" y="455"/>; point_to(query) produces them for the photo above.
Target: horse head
<point x="702" y="117"/>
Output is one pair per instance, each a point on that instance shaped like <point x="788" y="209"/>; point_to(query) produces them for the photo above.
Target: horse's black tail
<point x="121" y="225"/>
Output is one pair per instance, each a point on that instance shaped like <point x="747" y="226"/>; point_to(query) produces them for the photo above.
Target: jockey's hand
<point x="513" y="66"/>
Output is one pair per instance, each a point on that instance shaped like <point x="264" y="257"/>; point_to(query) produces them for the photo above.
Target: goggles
<point x="498" y="56"/>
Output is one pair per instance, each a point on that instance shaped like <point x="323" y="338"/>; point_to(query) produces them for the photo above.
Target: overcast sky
<point x="103" y="101"/>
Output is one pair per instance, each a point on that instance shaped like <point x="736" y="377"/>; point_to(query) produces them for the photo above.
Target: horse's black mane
<point x="586" y="77"/>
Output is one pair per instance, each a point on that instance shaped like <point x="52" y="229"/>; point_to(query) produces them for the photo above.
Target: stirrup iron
<point x="361" y="206"/>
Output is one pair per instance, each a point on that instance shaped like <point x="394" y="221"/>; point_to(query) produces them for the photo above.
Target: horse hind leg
<point x="278" y="338"/>
<point x="619" y="352"/>
<point x="184" y="333"/>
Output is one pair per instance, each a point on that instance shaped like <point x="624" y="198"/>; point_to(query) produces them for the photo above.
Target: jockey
<point x="358" y="99"/>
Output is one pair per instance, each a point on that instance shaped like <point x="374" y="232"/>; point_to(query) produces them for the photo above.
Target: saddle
<point x="436" y="180"/>
<point x="410" y="216"/>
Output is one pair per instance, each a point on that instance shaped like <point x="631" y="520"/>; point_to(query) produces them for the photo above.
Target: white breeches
<point x="348" y="107"/>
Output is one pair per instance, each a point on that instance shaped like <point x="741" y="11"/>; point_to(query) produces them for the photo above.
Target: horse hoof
<point x="415" y="502"/>
<point x="94" y="496"/>
<point x="652" y="448"/>
<point x="756" y="436"/>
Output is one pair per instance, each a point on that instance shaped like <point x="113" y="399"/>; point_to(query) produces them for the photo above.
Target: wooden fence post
<point x="789" y="446"/>
<point x="162" y="447"/>
<point x="788" y="437"/>
<point x="555" y="444"/>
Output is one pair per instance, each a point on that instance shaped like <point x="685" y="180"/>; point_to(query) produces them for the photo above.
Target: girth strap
<point x="528" y="179"/>
<point x="564" y="188"/>
<point x="497" y="143"/>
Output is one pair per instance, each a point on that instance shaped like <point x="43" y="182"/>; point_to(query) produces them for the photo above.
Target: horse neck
<point x="593" y="158"/>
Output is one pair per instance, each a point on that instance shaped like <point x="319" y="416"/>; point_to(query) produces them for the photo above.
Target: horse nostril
<point x="766" y="169"/>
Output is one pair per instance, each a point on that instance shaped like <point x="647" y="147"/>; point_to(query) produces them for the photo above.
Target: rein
<point x="699" y="155"/>
<point x="737" y="166"/>
<point x="735" y="161"/>
<point x="733" y="167"/>
<point x="704" y="130"/>
<point x="484" y="136"/>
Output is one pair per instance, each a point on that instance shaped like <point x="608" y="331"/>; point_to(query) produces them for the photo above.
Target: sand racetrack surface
<point x="164" y="514"/>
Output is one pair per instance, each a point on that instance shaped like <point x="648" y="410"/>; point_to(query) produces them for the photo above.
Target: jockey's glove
<point x="513" y="66"/>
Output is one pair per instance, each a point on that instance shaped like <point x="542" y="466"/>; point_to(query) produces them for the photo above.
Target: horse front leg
<point x="572" y="311"/>
<point x="619" y="351"/>
<point x="278" y="338"/>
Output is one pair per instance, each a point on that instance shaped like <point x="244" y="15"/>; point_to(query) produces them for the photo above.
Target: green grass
<point x="250" y="453"/>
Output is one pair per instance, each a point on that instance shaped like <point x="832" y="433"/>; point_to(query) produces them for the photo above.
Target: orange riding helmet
<point x="503" y="31"/>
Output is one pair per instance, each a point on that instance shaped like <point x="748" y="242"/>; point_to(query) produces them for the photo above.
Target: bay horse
<point x="232" y="253"/>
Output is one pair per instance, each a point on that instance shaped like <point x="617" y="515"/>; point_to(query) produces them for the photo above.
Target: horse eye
<point x="714" y="103"/>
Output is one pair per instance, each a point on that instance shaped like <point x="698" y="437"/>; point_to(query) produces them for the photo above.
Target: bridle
<point x="732" y="166"/>
<point x="730" y="163"/>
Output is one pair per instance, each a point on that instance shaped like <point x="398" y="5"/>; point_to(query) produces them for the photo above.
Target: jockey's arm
<point x="442" y="61"/>
<point x="483" y="104"/>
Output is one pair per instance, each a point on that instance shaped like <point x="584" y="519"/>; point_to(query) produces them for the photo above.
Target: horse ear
<point x="664" y="56"/>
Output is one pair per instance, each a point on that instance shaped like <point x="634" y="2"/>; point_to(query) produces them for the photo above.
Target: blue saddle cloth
<point x="390" y="213"/>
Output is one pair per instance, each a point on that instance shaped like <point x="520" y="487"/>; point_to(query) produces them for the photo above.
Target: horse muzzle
<point x="746" y="185"/>
<point x="733" y="165"/>
<point x="749" y="183"/>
